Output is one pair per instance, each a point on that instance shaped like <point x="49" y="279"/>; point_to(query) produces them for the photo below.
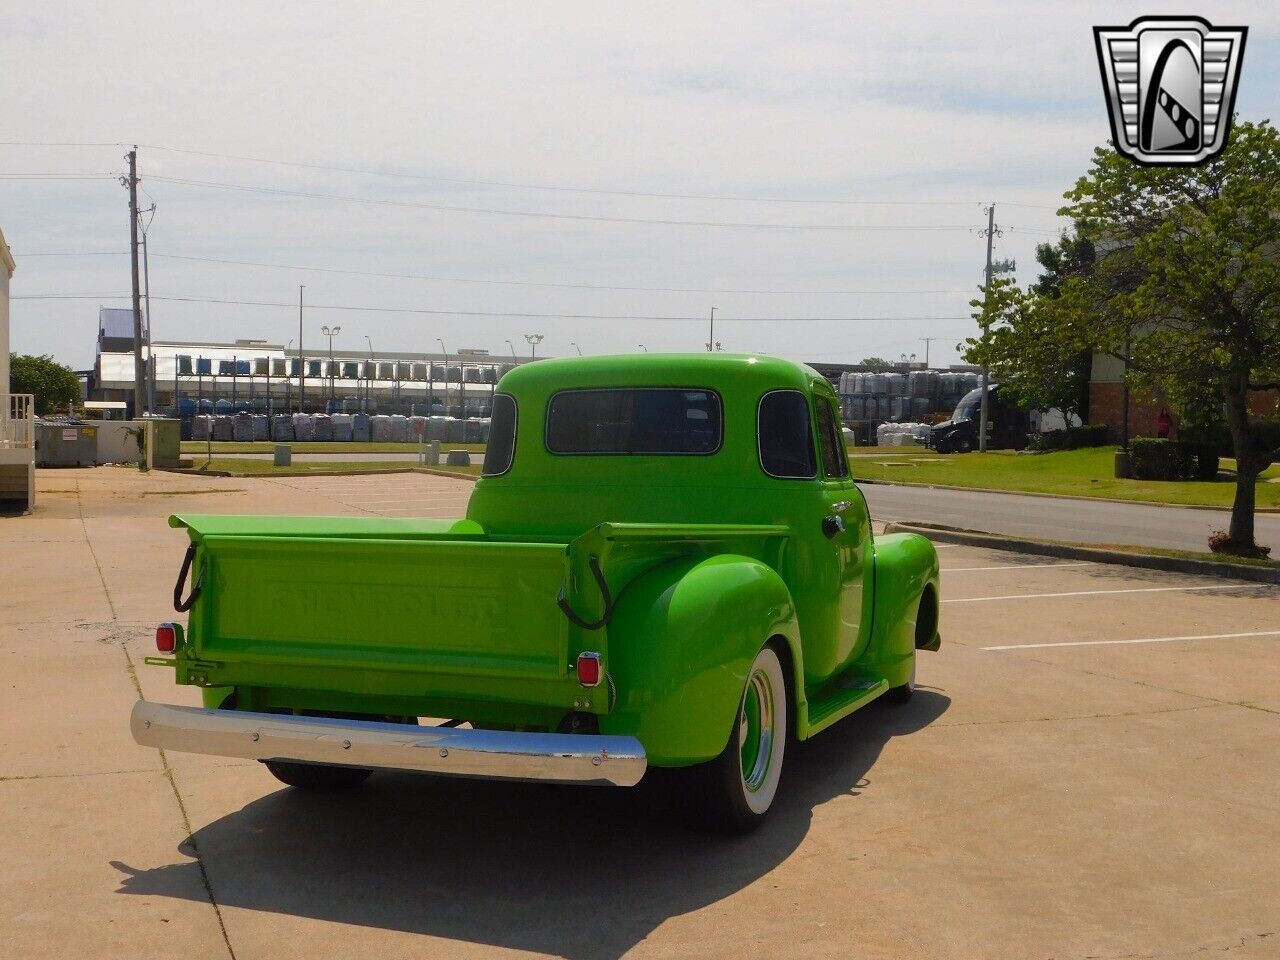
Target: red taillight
<point x="167" y="637"/>
<point x="589" y="672"/>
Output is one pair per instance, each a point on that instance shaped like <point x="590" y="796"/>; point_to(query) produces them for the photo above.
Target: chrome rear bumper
<point x="490" y="754"/>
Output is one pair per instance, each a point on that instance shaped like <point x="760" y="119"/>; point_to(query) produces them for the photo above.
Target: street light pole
<point x="711" y="340"/>
<point x="331" y="332"/>
<point x="534" y="339"/>
<point x="302" y="364"/>
<point x="514" y="358"/>
<point x="368" y="379"/>
<point x="574" y="344"/>
<point x="445" y="351"/>
<point x="643" y="347"/>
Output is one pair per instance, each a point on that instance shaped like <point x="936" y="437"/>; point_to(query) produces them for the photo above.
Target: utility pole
<point x="146" y="296"/>
<point x="331" y="332"/>
<point x="991" y="232"/>
<point x="927" y="341"/>
<point x="302" y="364"/>
<point x="139" y="392"/>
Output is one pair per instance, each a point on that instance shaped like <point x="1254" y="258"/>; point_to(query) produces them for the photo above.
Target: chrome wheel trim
<point x="766" y="770"/>
<point x="760" y="727"/>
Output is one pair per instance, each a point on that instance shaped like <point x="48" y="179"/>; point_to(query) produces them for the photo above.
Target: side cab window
<point x="835" y="465"/>
<point x="784" y="438"/>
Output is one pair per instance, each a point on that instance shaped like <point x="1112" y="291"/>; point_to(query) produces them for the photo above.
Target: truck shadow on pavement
<point x="578" y="872"/>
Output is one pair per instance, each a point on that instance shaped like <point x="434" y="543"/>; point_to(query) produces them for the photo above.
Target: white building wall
<point x="6" y="271"/>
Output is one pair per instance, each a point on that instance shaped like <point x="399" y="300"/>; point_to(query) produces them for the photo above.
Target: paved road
<point x="1048" y="517"/>
<point x="1059" y="519"/>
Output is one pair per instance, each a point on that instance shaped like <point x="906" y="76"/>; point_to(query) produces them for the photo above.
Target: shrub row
<point x="1072" y="438"/>
<point x="1154" y="459"/>
<point x="1266" y="435"/>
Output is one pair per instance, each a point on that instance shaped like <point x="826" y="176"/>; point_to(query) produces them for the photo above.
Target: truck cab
<point x="665" y="562"/>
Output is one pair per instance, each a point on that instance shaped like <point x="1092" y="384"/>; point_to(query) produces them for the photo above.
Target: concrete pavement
<point x="1087" y="770"/>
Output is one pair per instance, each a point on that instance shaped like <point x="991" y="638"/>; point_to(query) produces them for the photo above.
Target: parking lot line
<point x="1016" y="566"/>
<point x="1090" y="593"/>
<point x="1100" y="643"/>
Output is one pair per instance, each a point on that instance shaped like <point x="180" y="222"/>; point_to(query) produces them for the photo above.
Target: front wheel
<point x="737" y="788"/>
<point x="903" y="693"/>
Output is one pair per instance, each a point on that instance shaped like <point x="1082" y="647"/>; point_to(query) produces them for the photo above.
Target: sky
<point x="819" y="171"/>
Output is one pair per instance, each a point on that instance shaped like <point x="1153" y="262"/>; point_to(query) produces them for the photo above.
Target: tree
<point x="1038" y="364"/>
<point x="54" y="385"/>
<point x="874" y="362"/>
<point x="1186" y="287"/>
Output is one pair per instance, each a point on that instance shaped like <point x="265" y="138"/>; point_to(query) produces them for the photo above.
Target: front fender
<point x="682" y="639"/>
<point x="906" y="568"/>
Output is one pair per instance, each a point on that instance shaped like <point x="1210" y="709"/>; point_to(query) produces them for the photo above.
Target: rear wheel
<point x="316" y="776"/>
<point x="738" y="787"/>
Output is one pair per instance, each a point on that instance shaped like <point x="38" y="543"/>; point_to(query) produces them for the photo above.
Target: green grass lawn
<point x="1087" y="473"/>
<point x="198" y="447"/>
<point x="265" y="468"/>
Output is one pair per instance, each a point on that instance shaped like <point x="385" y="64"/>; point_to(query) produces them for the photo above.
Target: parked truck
<point x="664" y="563"/>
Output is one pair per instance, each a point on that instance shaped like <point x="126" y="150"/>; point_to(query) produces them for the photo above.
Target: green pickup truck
<point x="665" y="562"/>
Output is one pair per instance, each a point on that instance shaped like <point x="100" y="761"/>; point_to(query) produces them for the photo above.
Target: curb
<point x="1057" y="496"/>
<point x="975" y="538"/>
<point x="408" y="468"/>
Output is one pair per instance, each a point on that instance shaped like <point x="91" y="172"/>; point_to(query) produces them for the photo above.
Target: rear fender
<point x="906" y="576"/>
<point x="681" y="642"/>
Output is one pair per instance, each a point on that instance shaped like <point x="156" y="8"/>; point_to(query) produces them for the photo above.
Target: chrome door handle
<point x="840" y="506"/>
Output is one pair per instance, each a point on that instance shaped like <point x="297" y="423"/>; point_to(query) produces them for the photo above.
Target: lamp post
<point x="514" y="358"/>
<point x="368" y="379"/>
<point x="574" y="344"/>
<point x="534" y="339"/>
<point x="446" y="375"/>
<point x="330" y="332"/>
<point x="643" y="347"/>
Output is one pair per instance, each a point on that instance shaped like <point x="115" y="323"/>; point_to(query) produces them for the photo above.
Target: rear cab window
<point x="651" y="421"/>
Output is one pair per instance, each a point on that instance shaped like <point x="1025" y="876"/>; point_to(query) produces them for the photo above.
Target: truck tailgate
<point x="462" y="606"/>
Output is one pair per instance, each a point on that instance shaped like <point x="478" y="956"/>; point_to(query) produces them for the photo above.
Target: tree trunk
<point x="1247" y="467"/>
<point x="1241" y="531"/>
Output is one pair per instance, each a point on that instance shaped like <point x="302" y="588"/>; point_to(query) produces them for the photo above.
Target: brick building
<point x="1106" y="402"/>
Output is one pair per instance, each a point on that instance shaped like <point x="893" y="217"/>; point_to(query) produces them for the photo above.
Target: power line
<point x="57" y="176"/>
<point x="485" y="313"/>
<point x="561" y="188"/>
<point x="377" y="274"/>
<point x="537" y="283"/>
<point x="543" y="215"/>
<point x="35" y="143"/>
<point x="76" y="253"/>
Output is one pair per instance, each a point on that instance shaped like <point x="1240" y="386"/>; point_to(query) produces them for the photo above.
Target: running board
<point x="839" y="699"/>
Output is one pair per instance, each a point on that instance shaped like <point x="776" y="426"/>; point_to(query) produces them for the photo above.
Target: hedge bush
<point x="1072" y="438"/>
<point x="1155" y="459"/>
